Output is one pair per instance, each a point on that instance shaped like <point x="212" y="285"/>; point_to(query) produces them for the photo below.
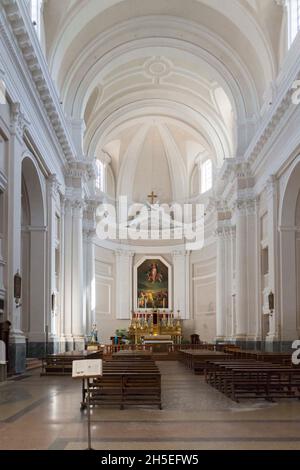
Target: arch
<point x="290" y="192"/>
<point x="289" y="254"/>
<point x="35" y="190"/>
<point x="197" y="123"/>
<point x="33" y="255"/>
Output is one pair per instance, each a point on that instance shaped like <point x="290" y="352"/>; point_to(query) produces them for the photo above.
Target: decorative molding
<point x="27" y="40"/>
<point x="18" y="121"/>
<point x="54" y="185"/>
<point x="271" y="187"/>
<point x="78" y="206"/>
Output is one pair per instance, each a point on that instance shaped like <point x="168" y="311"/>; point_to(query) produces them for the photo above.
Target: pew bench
<point x="124" y="383"/>
<point x="249" y="379"/>
<point x="61" y="364"/>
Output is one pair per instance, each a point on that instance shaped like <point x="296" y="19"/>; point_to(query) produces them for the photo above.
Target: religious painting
<point x="153" y="285"/>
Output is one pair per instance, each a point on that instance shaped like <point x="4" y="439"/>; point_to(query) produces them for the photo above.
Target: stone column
<point x="38" y="294"/>
<point x="233" y="281"/>
<point x="247" y="315"/>
<point x="221" y="295"/>
<point x="124" y="305"/>
<point x="52" y="321"/>
<point x="228" y="281"/>
<point x="272" y="200"/>
<point x="3" y="231"/>
<point x="17" y="348"/>
<point x="77" y="275"/>
<point x="61" y="330"/>
<point x="67" y="327"/>
<point x="241" y="272"/>
<point x="253" y="266"/>
<point x="89" y="234"/>
<point x="90" y="281"/>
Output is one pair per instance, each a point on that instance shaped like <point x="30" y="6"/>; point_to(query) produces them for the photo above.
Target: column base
<point x="17" y="353"/>
<point x="220" y="339"/>
<point x="79" y="343"/>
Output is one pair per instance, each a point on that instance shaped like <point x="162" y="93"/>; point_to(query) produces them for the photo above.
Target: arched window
<point x="99" y="175"/>
<point x="35" y="12"/>
<point x="206" y="176"/>
<point x="294" y="19"/>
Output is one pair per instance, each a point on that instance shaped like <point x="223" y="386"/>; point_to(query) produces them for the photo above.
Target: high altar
<point x="155" y="324"/>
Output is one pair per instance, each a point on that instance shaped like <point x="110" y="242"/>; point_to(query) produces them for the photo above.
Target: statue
<point x="94" y="334"/>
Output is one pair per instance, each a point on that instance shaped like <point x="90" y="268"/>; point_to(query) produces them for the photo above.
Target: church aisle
<point x="43" y="413"/>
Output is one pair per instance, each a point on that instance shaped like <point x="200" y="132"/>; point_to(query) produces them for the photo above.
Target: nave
<point x="194" y="416"/>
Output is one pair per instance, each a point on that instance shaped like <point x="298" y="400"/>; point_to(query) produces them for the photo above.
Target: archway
<point x="290" y="255"/>
<point x="33" y="258"/>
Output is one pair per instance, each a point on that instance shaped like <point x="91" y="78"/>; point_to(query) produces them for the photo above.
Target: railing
<point x="109" y="349"/>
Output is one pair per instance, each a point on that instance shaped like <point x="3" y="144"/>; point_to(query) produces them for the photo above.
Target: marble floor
<point x="43" y="413"/>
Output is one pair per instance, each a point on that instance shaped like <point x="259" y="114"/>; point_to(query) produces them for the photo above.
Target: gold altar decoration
<point x="155" y="323"/>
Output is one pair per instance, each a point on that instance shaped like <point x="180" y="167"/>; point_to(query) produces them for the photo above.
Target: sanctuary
<point x="150" y="218"/>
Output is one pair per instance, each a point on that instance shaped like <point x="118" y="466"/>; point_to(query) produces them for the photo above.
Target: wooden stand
<point x="86" y="370"/>
<point x="89" y="447"/>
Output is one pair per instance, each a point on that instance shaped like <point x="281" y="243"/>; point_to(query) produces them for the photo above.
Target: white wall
<point x="204" y="292"/>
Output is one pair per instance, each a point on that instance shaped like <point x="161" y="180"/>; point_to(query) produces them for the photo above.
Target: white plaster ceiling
<point x="192" y="73"/>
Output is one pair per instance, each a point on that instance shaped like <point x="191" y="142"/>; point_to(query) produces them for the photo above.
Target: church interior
<point x="150" y="219"/>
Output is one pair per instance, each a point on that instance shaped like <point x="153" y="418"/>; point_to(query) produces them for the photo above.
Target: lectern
<point x="85" y="370"/>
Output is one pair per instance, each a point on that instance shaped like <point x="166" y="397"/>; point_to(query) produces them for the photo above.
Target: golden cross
<point x="152" y="196"/>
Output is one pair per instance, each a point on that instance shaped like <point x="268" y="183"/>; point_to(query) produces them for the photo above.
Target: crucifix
<point x="152" y="196"/>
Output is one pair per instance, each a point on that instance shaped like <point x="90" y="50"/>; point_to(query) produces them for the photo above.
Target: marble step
<point x="33" y="363"/>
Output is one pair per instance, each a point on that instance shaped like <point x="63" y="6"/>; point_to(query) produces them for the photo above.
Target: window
<point x="294" y="19"/>
<point x="99" y="175"/>
<point x="206" y="176"/>
<point x="36" y="15"/>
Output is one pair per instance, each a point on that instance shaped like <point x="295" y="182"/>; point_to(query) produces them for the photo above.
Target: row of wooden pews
<point x="196" y="359"/>
<point x="61" y="363"/>
<point x="126" y="381"/>
<point x="249" y="378"/>
<point x="246" y="373"/>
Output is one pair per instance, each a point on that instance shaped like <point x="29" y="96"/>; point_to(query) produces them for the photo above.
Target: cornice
<point x="27" y="41"/>
<point x="79" y="169"/>
<point x="283" y="91"/>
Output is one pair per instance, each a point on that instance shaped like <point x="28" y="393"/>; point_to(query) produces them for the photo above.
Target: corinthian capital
<point x="18" y="120"/>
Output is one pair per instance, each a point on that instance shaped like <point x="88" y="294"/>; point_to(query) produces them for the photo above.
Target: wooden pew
<point x="126" y="383"/>
<point x="61" y="364"/>
<point x="254" y="379"/>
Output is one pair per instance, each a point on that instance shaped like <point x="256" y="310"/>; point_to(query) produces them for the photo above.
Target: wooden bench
<point x="253" y="379"/>
<point x="191" y="357"/>
<point x="126" y="383"/>
<point x="61" y="364"/>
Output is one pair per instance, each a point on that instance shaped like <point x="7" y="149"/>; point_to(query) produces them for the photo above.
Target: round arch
<point x="33" y="255"/>
<point x="290" y="255"/>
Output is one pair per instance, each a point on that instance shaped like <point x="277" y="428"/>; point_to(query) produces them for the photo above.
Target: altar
<point x="155" y="326"/>
<point x="159" y="343"/>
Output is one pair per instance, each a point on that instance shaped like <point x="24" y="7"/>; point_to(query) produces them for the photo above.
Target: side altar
<point x="155" y="325"/>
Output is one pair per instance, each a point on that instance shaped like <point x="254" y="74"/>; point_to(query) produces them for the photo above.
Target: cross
<point x="152" y="196"/>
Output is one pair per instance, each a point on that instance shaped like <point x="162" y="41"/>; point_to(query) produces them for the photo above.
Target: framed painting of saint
<point x="153" y="281"/>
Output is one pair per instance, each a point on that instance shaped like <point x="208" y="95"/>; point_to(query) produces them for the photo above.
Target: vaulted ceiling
<point x="199" y="70"/>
